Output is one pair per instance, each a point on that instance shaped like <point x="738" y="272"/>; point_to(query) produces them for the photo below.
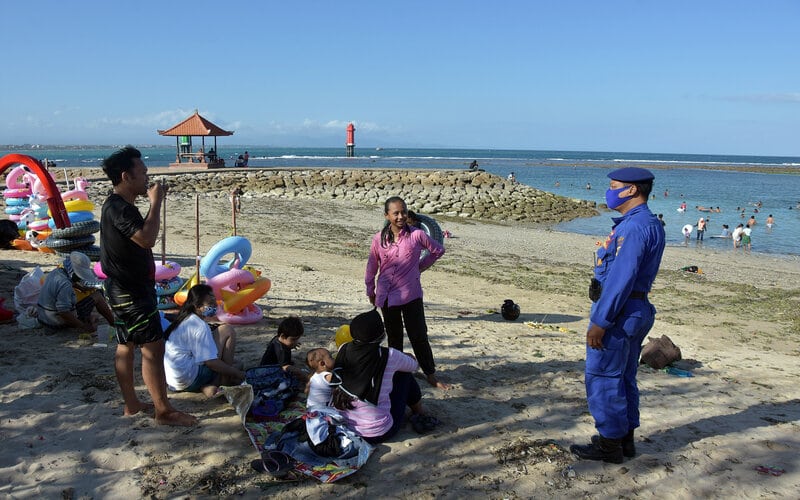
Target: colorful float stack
<point x="236" y="285"/>
<point x="17" y="194"/>
<point x="80" y="235"/>
<point x="22" y="207"/>
<point x="167" y="282"/>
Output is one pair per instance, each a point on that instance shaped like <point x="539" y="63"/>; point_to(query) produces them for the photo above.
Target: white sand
<point x="514" y="383"/>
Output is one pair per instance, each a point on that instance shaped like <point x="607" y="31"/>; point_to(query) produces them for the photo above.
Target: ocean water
<point x="690" y="178"/>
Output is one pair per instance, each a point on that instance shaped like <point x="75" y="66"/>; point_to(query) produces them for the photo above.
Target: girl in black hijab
<point x="377" y="383"/>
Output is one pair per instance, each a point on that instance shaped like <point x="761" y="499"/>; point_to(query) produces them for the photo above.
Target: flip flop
<point x="275" y="463"/>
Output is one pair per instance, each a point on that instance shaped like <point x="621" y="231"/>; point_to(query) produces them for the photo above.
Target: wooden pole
<point x="233" y="210"/>
<point x="164" y="224"/>
<point x="197" y="233"/>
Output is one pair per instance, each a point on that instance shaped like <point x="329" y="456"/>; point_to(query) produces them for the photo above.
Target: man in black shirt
<point x="126" y="257"/>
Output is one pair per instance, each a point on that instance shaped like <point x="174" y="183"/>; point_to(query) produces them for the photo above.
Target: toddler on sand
<point x="319" y="389"/>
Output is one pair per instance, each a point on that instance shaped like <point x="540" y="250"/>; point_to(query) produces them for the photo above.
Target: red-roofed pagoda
<point x="195" y="126"/>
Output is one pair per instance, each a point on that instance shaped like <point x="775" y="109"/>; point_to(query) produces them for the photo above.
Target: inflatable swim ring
<point x="78" y="229"/>
<point x="233" y="279"/>
<point x="237" y="245"/>
<point x="39" y="225"/>
<point x="236" y="301"/>
<point x="16" y="202"/>
<point x="15" y="209"/>
<point x="687" y="229"/>
<point x="16" y="193"/>
<point x="167" y="271"/>
<point x="165" y="302"/>
<point x="77" y="206"/>
<point x="168" y="287"/>
<point x="73" y="218"/>
<point x="12" y="179"/>
<point x="250" y="314"/>
<point x="74" y="195"/>
<point x="431" y="228"/>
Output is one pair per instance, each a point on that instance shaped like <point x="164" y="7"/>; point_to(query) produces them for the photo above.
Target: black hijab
<point x="360" y="364"/>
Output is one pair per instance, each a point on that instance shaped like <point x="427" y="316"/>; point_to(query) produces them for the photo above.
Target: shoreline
<point x="516" y="383"/>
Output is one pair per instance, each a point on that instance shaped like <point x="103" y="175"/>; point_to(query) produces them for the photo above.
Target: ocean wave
<point x="698" y="162"/>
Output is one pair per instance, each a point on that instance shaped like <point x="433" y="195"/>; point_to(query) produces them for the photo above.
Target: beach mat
<point x="263" y="434"/>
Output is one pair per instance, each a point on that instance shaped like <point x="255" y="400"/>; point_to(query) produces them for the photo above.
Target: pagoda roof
<point x="195" y="125"/>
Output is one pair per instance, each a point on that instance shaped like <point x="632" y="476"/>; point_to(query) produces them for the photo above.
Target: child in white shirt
<point x="319" y="389"/>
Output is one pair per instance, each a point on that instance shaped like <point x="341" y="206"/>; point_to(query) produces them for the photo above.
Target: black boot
<point x="607" y="450"/>
<point x="628" y="446"/>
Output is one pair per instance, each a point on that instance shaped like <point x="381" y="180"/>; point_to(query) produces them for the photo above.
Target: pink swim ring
<point x="167" y="271"/>
<point x="12" y="179"/>
<point x="249" y="315"/>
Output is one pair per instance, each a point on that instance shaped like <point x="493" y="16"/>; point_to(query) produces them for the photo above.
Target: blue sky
<point x="641" y="76"/>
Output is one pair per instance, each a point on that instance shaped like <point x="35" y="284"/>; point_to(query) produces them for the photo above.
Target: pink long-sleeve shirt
<point x="400" y="266"/>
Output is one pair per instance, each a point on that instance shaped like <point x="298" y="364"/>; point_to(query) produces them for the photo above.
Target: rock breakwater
<point x="454" y="193"/>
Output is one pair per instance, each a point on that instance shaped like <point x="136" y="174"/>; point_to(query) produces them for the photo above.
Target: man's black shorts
<point x="136" y="317"/>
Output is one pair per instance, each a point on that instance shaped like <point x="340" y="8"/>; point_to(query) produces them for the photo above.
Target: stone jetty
<point x="453" y="193"/>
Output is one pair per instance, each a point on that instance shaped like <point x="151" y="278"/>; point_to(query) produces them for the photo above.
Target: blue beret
<point x="631" y="174"/>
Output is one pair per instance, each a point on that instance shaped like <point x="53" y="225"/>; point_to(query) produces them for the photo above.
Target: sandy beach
<point x="517" y="400"/>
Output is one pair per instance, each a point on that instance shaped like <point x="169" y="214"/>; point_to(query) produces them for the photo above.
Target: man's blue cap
<point x="631" y="174"/>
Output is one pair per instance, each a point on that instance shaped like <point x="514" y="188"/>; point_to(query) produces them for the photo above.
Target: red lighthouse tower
<point x="351" y="141"/>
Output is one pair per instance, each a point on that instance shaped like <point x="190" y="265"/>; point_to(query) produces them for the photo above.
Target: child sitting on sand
<point x="319" y="389"/>
<point x="279" y="349"/>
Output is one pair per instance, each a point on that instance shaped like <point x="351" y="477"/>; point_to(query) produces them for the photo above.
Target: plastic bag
<point x="26" y="294"/>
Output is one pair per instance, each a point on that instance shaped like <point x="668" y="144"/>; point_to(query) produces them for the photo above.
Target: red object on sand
<point x="5" y="314"/>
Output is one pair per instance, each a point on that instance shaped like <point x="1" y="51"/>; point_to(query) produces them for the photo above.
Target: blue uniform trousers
<point x="611" y="388"/>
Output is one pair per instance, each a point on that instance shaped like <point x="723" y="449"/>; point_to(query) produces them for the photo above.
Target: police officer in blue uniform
<point x="621" y="316"/>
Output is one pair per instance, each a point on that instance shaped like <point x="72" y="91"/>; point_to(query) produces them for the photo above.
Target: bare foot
<point x="435" y="382"/>
<point x="210" y="391"/>
<point x="139" y="407"/>
<point x="177" y="418"/>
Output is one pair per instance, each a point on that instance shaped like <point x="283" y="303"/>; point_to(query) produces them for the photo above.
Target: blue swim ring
<point x="239" y="246"/>
<point x="74" y="217"/>
<point x="15" y="209"/>
<point x="16" y="202"/>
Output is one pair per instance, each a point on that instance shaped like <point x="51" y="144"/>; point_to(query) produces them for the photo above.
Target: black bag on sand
<point x="659" y="353"/>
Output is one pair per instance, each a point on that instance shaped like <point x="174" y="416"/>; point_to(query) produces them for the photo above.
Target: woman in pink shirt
<point x="394" y="258"/>
<point x="376" y="384"/>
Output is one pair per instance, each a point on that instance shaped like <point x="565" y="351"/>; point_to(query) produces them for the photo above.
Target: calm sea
<point x="685" y="178"/>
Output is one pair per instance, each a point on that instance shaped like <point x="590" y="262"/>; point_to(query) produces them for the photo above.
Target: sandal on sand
<point x="423" y="423"/>
<point x="275" y="463"/>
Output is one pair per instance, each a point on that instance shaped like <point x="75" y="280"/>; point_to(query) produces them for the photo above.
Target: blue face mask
<point x="612" y="197"/>
<point x="208" y="311"/>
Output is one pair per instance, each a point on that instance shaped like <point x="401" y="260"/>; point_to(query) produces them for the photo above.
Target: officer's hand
<point x="594" y="337"/>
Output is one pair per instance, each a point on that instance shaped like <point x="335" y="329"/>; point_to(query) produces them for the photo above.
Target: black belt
<point x="638" y="295"/>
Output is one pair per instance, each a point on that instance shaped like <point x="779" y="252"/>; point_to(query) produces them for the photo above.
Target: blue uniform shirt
<point x="627" y="261"/>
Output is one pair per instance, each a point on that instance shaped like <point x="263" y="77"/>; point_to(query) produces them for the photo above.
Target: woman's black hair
<point x="194" y="299"/>
<point x="387" y="236"/>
